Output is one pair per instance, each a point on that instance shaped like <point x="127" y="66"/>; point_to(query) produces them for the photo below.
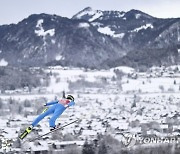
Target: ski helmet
<point x="70" y="97"/>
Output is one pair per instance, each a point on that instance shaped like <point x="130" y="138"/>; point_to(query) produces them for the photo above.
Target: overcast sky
<point x="13" y="11"/>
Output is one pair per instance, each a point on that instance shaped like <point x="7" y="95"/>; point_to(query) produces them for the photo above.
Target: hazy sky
<point x="13" y="11"/>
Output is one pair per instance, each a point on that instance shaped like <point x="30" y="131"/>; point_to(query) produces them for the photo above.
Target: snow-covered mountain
<point x="91" y="38"/>
<point x="130" y="26"/>
<point x="49" y="40"/>
<point x="115" y="23"/>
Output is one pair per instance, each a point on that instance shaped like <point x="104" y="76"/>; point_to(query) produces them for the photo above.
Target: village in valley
<point x="108" y="102"/>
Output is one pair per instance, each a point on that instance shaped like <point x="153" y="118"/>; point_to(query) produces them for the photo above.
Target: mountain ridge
<point x="91" y="39"/>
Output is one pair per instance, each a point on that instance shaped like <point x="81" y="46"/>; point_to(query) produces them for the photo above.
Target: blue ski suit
<point x="57" y="108"/>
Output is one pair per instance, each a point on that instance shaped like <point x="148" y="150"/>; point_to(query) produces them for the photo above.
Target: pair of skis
<point x="27" y="131"/>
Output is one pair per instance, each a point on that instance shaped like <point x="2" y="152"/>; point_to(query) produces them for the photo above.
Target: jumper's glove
<point x="66" y="106"/>
<point x="45" y="104"/>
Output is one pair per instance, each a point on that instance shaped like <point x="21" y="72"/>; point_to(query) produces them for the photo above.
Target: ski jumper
<point x="57" y="108"/>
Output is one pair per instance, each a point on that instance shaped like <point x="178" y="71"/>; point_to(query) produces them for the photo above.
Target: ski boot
<point x="53" y="128"/>
<point x="27" y="131"/>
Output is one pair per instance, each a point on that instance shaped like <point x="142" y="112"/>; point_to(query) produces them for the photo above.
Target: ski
<point x="40" y="136"/>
